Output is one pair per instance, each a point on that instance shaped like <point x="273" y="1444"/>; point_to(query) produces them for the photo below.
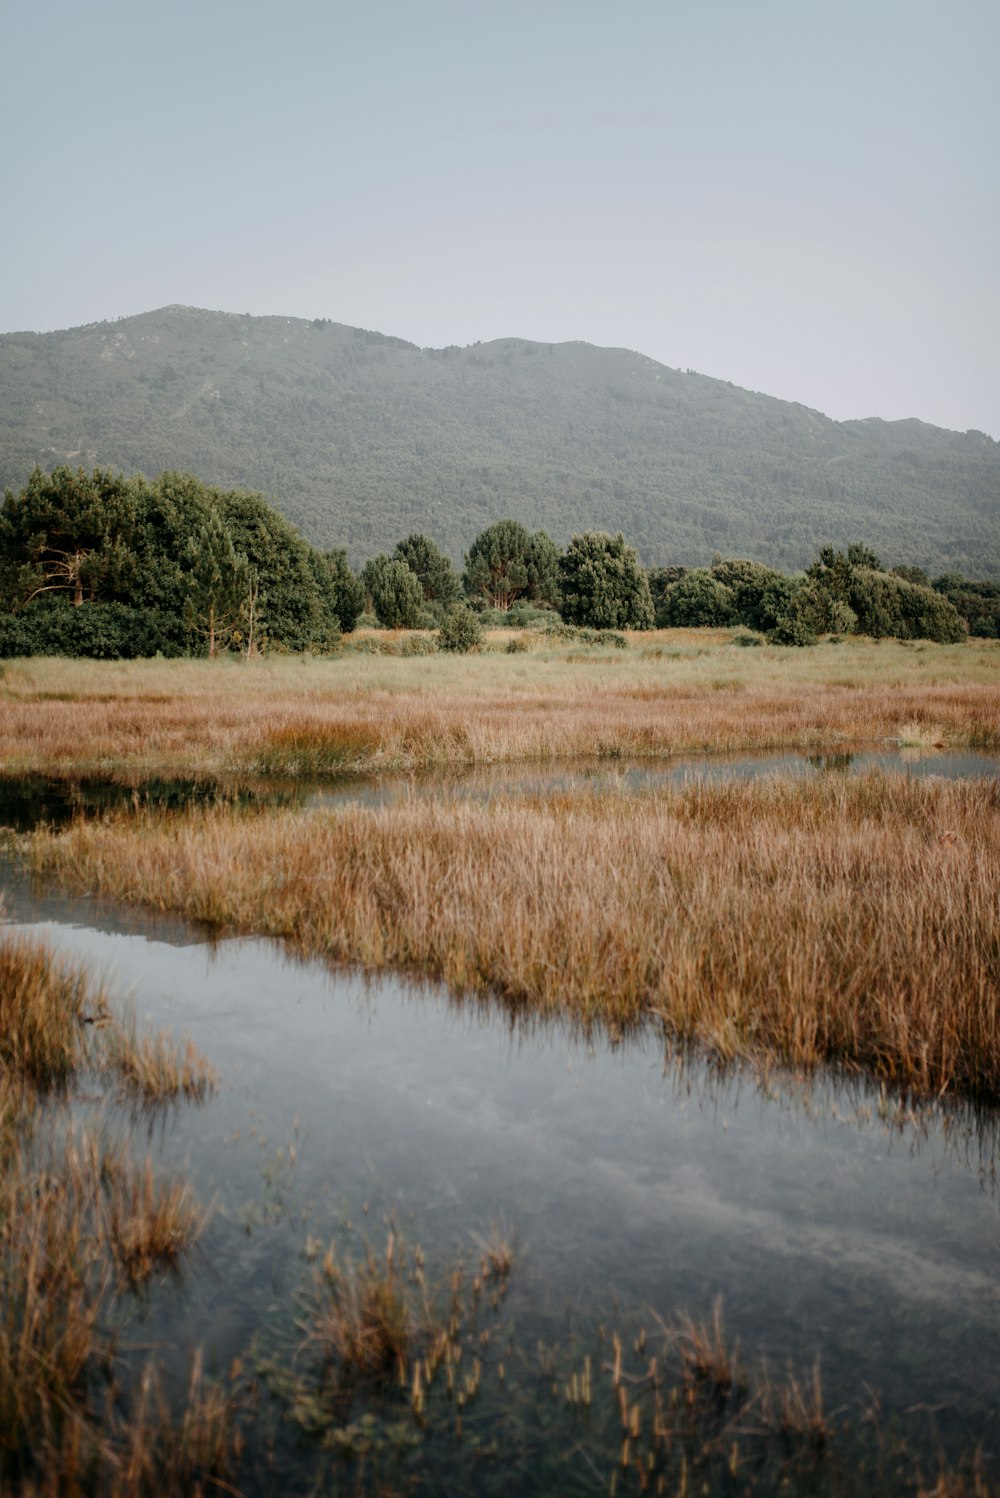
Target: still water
<point x="638" y="1189"/>
<point x="26" y="801"/>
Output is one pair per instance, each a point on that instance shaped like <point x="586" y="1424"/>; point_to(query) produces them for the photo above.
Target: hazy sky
<point x="800" y="196"/>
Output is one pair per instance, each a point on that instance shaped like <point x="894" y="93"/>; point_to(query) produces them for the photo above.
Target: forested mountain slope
<point x="361" y="438"/>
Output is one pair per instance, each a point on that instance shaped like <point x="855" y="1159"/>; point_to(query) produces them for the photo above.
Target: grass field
<point x="669" y="692"/>
<point x="852" y="920"/>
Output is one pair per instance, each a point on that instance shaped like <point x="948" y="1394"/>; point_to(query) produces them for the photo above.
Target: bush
<point x="603" y="586"/>
<point x="696" y="601"/>
<point x="100" y="631"/>
<point x="460" y="632"/>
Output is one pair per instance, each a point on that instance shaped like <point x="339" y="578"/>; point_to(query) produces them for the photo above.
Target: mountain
<point x="361" y="438"/>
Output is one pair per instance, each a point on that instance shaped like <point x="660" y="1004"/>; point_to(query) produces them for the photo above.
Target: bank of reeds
<point x="674" y="692"/>
<point x="844" y="920"/>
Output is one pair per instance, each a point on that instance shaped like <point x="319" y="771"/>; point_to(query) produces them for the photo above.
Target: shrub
<point x="101" y="631"/>
<point x="460" y="632"/>
<point x="697" y="600"/>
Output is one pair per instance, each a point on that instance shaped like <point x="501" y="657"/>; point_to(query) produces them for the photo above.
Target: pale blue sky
<point x="799" y="197"/>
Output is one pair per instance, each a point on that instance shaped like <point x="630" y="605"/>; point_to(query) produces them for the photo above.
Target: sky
<point x="799" y="196"/>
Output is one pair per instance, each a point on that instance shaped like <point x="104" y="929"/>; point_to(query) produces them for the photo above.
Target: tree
<point x="100" y="538"/>
<point x="603" y="586"/>
<point x="343" y="594"/>
<point x="433" y="570"/>
<point x="218" y="582"/>
<point x="394" y="592"/>
<point x="69" y="533"/>
<point x="697" y="600"/>
<point x="760" y="595"/>
<point x="506" y="562"/>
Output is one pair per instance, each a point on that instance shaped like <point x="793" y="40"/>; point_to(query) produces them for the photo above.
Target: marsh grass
<point x="45" y="1003"/>
<point x="846" y="921"/>
<point x="673" y="692"/>
<point x="154" y="1068"/>
<point x="151" y="1222"/>
<point x="365" y="1315"/>
<point x="81" y="1224"/>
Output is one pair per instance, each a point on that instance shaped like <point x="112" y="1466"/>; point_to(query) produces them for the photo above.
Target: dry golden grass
<point x="153" y="1068"/>
<point x="845" y="920"/>
<point x="44" y="1004"/>
<point x="48" y="1003"/>
<point x="671" y="692"/>
<point x="79" y="1220"/>
<point x="365" y="1317"/>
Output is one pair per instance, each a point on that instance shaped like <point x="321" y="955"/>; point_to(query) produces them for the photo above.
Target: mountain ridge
<point x="360" y="437"/>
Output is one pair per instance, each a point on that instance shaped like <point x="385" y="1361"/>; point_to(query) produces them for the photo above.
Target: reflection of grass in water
<point x="844" y="921"/>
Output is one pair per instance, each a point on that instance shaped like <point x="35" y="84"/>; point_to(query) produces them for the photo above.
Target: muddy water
<point x="637" y="1190"/>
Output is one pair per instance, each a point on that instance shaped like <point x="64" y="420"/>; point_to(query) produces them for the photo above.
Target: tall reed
<point x="842" y="920"/>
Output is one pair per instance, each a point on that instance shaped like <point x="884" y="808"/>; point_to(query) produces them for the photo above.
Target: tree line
<point x="100" y="564"/>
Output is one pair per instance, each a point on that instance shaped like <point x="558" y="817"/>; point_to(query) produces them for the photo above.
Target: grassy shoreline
<point x="842" y="920"/>
<point x="671" y="692"/>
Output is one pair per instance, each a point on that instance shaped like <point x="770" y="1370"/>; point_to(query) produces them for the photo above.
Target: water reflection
<point x="826" y="1222"/>
<point x="30" y="801"/>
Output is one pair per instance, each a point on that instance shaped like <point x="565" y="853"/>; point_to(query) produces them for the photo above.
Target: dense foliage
<point x="507" y="563"/>
<point x="363" y="438"/>
<point x="603" y="586"/>
<point x="171" y="565"/>
<point x="98" y="564"/>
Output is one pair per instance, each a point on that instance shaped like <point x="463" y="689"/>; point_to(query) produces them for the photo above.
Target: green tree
<point x="506" y="562"/>
<point x="760" y="595"/>
<point x="603" y="585"/>
<point x="70" y="534"/>
<point x="218" y="581"/>
<point x="698" y="600"/>
<point x="394" y="591"/>
<point x="433" y="570"/>
<point x="343" y="594"/>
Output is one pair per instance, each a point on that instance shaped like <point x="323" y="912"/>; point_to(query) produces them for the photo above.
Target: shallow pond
<point x="638" y="1188"/>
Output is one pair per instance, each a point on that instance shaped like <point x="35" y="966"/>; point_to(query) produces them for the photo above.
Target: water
<point x="27" y="801"/>
<point x="638" y="1189"/>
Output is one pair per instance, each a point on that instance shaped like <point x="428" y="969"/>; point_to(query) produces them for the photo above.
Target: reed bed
<point x="844" y="920"/>
<point x="673" y="692"/>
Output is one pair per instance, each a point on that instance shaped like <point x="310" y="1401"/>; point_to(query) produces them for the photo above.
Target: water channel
<point x="638" y="1187"/>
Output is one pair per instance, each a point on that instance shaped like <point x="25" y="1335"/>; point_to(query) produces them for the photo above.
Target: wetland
<point x="613" y="1123"/>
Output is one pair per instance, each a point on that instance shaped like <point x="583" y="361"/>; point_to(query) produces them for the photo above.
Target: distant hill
<point x="361" y="438"/>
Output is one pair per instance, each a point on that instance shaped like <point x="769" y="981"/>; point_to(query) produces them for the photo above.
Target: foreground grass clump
<point x="44" y="1004"/>
<point x="844" y="920"/>
<point x="82" y="1224"/>
<point x="670" y="692"/>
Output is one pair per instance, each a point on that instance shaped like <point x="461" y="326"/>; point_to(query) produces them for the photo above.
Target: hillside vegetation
<point x="361" y="438"/>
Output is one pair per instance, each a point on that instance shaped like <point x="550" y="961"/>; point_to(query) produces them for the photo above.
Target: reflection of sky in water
<point x="879" y="1250"/>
